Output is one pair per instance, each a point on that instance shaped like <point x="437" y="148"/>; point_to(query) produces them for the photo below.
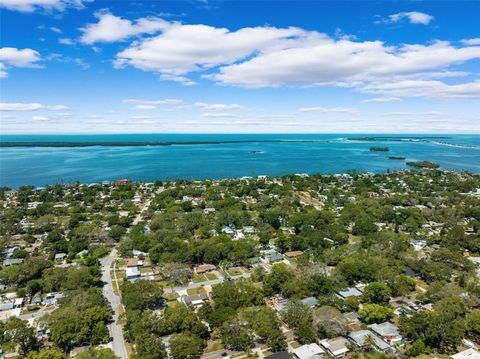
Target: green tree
<point x="375" y="313"/>
<point x="377" y="292"/>
<point x="185" y="345"/>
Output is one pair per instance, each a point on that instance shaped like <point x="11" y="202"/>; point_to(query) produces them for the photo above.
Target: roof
<point x="204" y="268"/>
<point x="6" y="305"/>
<point x="467" y="354"/>
<point x="132" y="262"/>
<point x="194" y="299"/>
<point x="386" y="329"/>
<point x="349" y="292"/>
<point x="309" y="351"/>
<point x="336" y="346"/>
<point x="132" y="272"/>
<point x="310" y="301"/>
<point x="360" y="336"/>
<point x="292" y="254"/>
<point x="280" y="355"/>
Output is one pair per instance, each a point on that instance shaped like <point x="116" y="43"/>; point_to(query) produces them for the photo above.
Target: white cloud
<point x="182" y="49"/>
<point x="30" y="107"/>
<point x="65" y="41"/>
<point x="218" y="106"/>
<point x="218" y="115"/>
<point x="270" y="57"/>
<point x="144" y="107"/>
<point x="168" y="101"/>
<point x="11" y="56"/>
<point x="426" y="88"/>
<point x="475" y="41"/>
<point x="41" y="118"/>
<point x="3" y="73"/>
<point x="328" y="110"/>
<point x="56" y="29"/>
<point x="111" y="28"/>
<point x="35" y="5"/>
<point x="382" y="99"/>
<point x="141" y="117"/>
<point x="414" y="17"/>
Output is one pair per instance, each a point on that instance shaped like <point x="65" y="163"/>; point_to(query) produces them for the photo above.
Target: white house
<point x="308" y="351"/>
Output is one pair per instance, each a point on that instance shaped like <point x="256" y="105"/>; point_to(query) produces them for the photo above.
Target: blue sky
<point x="76" y="66"/>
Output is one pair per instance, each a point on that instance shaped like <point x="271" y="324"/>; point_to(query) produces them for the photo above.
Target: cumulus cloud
<point x="35" y="5"/>
<point x="426" y="88"/>
<point x="181" y="49"/>
<point x="475" y="41"/>
<point x="382" y="99"/>
<point x="41" y="118"/>
<point x="328" y="110"/>
<point x="414" y="17"/>
<point x="218" y="106"/>
<point x="13" y="57"/>
<point x="111" y="28"/>
<point x="65" y="41"/>
<point x="144" y="107"/>
<point x="169" y="101"/>
<point x="272" y="57"/>
<point x="4" y="106"/>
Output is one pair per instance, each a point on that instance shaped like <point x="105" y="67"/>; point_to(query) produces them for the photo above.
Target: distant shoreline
<point x="139" y="143"/>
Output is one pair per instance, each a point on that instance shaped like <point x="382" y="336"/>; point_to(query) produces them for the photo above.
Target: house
<point x="195" y="300"/>
<point x="12" y="261"/>
<point x="349" y="292"/>
<point x="280" y="355"/>
<point x="60" y="257"/>
<point x="204" y="268"/>
<point x="253" y="260"/>
<point x="37" y="299"/>
<point x="228" y="230"/>
<point x="272" y="256"/>
<point x="52" y="298"/>
<point x="388" y="331"/>
<point x="18" y="303"/>
<point x="6" y="305"/>
<point x="312" y="302"/>
<point x="336" y="347"/>
<point x="132" y="262"/>
<point x="308" y="351"/>
<point x="139" y="254"/>
<point x="132" y="273"/>
<point x="293" y="254"/>
<point x="248" y="230"/>
<point x="417" y="244"/>
<point x="467" y="354"/>
<point x="359" y="338"/>
<point x="208" y="210"/>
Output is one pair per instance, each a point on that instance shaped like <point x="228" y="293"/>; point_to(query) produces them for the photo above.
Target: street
<point x="115" y="329"/>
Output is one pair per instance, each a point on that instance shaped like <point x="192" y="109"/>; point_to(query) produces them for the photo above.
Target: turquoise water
<point x="40" y="166"/>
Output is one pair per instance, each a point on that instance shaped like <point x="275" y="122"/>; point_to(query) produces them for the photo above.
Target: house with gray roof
<point x="359" y="338"/>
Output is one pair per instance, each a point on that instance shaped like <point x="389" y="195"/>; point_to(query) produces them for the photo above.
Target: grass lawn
<point x="211" y="276"/>
<point x="192" y="291"/>
<point x="170" y="296"/>
<point x="294" y="344"/>
<point x="198" y="278"/>
<point x="213" y="346"/>
<point x="234" y="271"/>
<point x="144" y="270"/>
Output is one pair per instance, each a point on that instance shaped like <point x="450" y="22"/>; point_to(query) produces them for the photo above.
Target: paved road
<point x="35" y="315"/>
<point x="114" y="328"/>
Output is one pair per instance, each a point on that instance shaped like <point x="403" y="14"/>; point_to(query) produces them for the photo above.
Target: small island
<point x="424" y="165"/>
<point x="379" y="149"/>
<point x="396" y="158"/>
